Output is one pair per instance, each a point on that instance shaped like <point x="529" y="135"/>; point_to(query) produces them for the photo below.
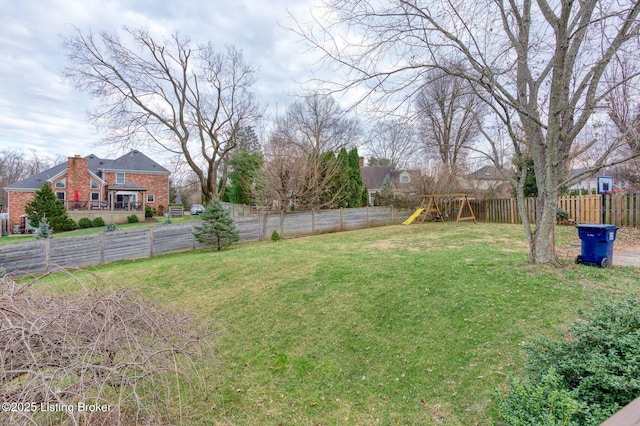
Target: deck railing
<point x="102" y="205"/>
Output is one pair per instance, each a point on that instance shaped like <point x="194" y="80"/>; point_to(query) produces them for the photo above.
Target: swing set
<point x="443" y="208"/>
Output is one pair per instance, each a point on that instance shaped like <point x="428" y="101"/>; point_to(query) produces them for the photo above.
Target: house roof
<point x="133" y="161"/>
<point x="373" y="176"/>
<point x="36" y="181"/>
<point x="127" y="187"/>
<point x="405" y="186"/>
<point x="486" y="173"/>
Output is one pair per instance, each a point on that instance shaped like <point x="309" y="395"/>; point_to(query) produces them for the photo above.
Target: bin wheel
<point x="579" y="259"/>
<point x="604" y="263"/>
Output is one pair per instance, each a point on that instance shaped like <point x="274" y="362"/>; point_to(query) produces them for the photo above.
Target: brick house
<point x="91" y="186"/>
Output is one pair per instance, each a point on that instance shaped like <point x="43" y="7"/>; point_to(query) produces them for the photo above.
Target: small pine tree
<point x="217" y="228"/>
<point x="44" y="230"/>
<point x="45" y="203"/>
<point x="275" y="236"/>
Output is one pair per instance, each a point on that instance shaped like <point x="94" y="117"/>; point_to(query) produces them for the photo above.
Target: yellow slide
<point x="413" y="217"/>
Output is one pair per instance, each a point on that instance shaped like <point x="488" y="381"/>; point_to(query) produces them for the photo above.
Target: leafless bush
<point x="93" y="357"/>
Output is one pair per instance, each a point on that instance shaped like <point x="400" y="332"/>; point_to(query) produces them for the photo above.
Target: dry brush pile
<point x="94" y="357"/>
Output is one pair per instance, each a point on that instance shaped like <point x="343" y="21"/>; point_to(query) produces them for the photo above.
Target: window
<point x="61" y="195"/>
<point x="95" y="196"/>
<point x="151" y="198"/>
<point x="119" y="178"/>
<point x="62" y="183"/>
<point x="404" y="178"/>
<point x="94" y="184"/>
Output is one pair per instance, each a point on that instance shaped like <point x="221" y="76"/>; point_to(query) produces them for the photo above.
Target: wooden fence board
<point x="75" y="252"/>
<point x="327" y="221"/>
<point x="169" y="239"/>
<point x="24" y="258"/>
<point x="354" y="218"/>
<point x="250" y="228"/>
<point x="273" y="222"/>
<point x="298" y="223"/>
<point x="123" y="245"/>
<point x="379" y="216"/>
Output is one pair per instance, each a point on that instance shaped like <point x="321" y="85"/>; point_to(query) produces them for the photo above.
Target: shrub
<point x="275" y="236"/>
<point x="132" y="219"/>
<point x="85" y="222"/>
<point x="69" y="225"/>
<point x="584" y="378"/>
<point x="167" y="219"/>
<point x="98" y="221"/>
<point x="561" y="214"/>
<point x="54" y="346"/>
<point x="217" y="227"/>
<point x="111" y="227"/>
<point x="148" y="211"/>
<point x="44" y="230"/>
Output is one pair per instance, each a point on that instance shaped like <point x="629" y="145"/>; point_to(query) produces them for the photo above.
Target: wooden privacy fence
<point x="582" y="208"/>
<point x="44" y="255"/>
<point x="622" y="209"/>
<point x="619" y="209"/>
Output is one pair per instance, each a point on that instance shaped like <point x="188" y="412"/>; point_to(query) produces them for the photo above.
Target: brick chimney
<point x="78" y="178"/>
<point x="361" y="162"/>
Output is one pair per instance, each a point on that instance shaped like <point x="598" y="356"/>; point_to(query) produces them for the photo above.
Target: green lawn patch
<point x="394" y="325"/>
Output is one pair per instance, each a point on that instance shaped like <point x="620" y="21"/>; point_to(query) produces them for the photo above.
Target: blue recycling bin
<point x="597" y="244"/>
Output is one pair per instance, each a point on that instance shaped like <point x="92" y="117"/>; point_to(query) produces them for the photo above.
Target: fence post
<point x="151" y="242"/>
<point x="366" y="216"/>
<point x="102" y="236"/>
<point x="47" y="254"/>
<point x="341" y="219"/>
<point x="391" y="214"/>
<point x="193" y="237"/>
<point x="282" y="223"/>
<point x="313" y="221"/>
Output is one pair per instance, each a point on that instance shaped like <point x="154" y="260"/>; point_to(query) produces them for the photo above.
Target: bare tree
<point x="106" y="349"/>
<point x="538" y="66"/>
<point x="284" y="171"/>
<point x="15" y="166"/>
<point x="318" y="123"/>
<point x="624" y="113"/>
<point x="302" y="144"/>
<point x="448" y="113"/>
<point x="395" y="141"/>
<point x="190" y="101"/>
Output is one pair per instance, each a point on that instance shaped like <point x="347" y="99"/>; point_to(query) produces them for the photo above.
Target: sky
<point x="41" y="112"/>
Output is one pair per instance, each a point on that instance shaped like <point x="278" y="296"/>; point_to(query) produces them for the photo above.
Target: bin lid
<point x="597" y="227"/>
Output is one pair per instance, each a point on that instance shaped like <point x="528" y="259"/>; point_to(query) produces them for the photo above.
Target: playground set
<point x="443" y="208"/>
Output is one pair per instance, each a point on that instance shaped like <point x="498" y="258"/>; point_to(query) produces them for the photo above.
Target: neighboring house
<point x="401" y="182"/>
<point x="488" y="179"/>
<point x="589" y="183"/>
<point x="88" y="185"/>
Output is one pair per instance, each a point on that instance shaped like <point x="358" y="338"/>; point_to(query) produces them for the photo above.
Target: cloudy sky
<point x="40" y="111"/>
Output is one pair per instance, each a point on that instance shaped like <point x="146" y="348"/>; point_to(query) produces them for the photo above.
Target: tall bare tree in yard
<point x="394" y="141"/>
<point x="448" y="112"/>
<point x="301" y="138"/>
<point x="186" y="100"/>
<point x="537" y="66"/>
<point x="624" y="112"/>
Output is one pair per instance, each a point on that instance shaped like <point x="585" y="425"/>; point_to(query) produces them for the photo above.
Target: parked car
<point x="197" y="209"/>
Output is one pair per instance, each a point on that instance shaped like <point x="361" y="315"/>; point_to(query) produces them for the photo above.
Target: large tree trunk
<point x="542" y="247"/>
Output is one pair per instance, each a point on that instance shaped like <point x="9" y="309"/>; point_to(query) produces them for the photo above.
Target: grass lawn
<point x="86" y="231"/>
<point x="395" y="325"/>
